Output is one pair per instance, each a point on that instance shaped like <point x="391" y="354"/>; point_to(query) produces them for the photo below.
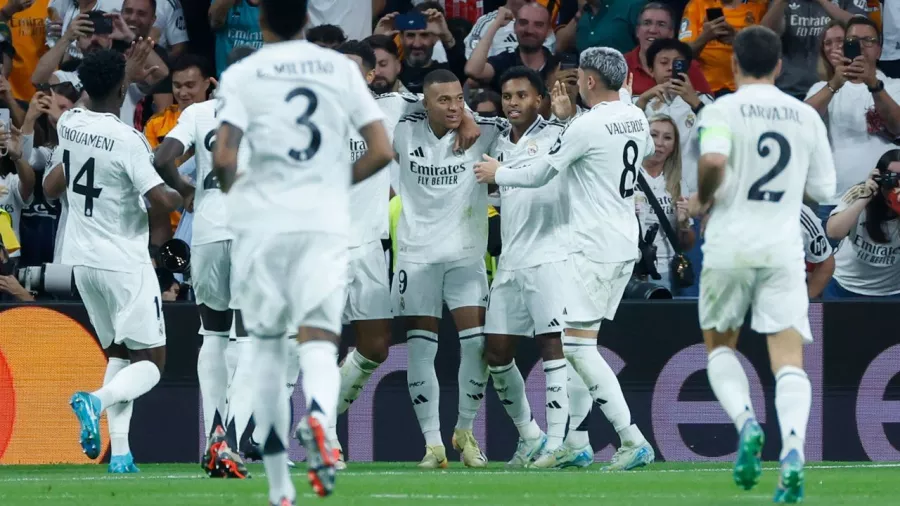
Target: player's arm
<point x="378" y="153"/>
<point x="818" y="279"/>
<point x="55" y="182"/>
<point x="176" y="143"/>
<point x="234" y="121"/>
<point x="821" y="180"/>
<point x="715" y="147"/>
<point x="139" y="169"/>
<point x="225" y="154"/>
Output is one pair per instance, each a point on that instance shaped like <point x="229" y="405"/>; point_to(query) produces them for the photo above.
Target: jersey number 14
<point x="87" y="190"/>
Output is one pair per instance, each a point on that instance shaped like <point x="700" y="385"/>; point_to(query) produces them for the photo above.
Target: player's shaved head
<point x="283" y="19"/>
<point x="757" y="52"/>
<point x="239" y="53"/>
<point x="102" y="74"/>
<point x="443" y="99"/>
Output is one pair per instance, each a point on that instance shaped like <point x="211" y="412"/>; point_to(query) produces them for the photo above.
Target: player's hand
<point x="121" y="30"/>
<point x="467" y="134"/>
<point x="81" y="26"/>
<point x="840" y="74"/>
<point x="11" y="285"/>
<point x="560" y="103"/>
<point x="697" y="208"/>
<point x="486" y="170"/>
<point x="135" y="66"/>
<point x="385" y="25"/>
<point x="628" y="85"/>
<point x="504" y="17"/>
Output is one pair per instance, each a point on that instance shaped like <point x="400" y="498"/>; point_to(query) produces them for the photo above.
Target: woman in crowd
<point x="831" y="49"/>
<point x="867" y="221"/>
<point x="662" y="172"/>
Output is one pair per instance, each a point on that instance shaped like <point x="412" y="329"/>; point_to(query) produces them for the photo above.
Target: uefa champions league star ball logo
<point x="531" y="148"/>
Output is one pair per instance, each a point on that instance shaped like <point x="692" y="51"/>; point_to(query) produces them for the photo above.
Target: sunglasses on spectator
<point x="864" y="41"/>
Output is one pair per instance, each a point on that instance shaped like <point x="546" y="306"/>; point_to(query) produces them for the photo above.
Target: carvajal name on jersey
<point x="779" y="113"/>
<point x="436" y="175"/>
<point x="875" y="254"/>
<point x="625" y="127"/>
<point x="92" y="140"/>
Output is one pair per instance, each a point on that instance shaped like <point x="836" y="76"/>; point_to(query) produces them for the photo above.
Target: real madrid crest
<point x="690" y="120"/>
<point x="531" y="148"/>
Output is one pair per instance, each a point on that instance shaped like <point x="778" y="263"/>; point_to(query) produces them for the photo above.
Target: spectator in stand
<point x="656" y="22"/>
<point x="592" y="23"/>
<point x="235" y="23"/>
<point x="867" y="220"/>
<point x="800" y="25"/>
<point x="192" y="82"/>
<point x="140" y="17"/>
<point x="890" y="56"/>
<point x="354" y="18"/>
<point x="662" y="171"/>
<point x="25" y="19"/>
<point x="531" y="27"/>
<point x="676" y="99"/>
<point x="487" y="104"/>
<point x="169" y="29"/>
<point x="860" y="106"/>
<point x="329" y="36"/>
<point x="8" y="100"/>
<point x="61" y="14"/>
<point x="711" y="39"/>
<point x="831" y="49"/>
<point x="387" y="65"/>
<point x="17" y="178"/>
<point x="505" y="38"/>
<point x="418" y="48"/>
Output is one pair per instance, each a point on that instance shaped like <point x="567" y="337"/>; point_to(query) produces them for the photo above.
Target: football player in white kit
<point x="210" y="278"/>
<point x="526" y="296"/>
<point x="759" y="148"/>
<point x="442" y="237"/>
<point x="297" y="104"/>
<point x="599" y="153"/>
<point x="105" y="168"/>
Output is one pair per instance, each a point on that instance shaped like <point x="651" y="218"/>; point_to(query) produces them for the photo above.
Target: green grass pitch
<point x="668" y="484"/>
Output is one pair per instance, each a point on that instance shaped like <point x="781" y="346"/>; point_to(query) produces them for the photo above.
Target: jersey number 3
<point x="315" y="136"/>
<point x="784" y="157"/>
<point x="87" y="172"/>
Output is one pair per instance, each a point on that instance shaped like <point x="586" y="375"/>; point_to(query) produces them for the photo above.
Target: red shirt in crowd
<point x="644" y="81"/>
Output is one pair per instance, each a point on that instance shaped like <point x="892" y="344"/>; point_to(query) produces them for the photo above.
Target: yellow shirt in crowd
<point x="7" y="235"/>
<point x="29" y="35"/>
<point x="715" y="59"/>
<point x="155" y="131"/>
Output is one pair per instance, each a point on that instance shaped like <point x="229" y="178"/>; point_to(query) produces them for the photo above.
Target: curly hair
<point x="102" y="73"/>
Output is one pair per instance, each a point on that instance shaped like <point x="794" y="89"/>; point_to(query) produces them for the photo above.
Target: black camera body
<point x="887" y="180"/>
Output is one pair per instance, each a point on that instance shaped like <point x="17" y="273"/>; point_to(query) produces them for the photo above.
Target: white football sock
<point x="472" y="377"/>
<point x="603" y="385"/>
<point x="355" y="372"/>
<point x="580" y="404"/>
<point x="422" y="382"/>
<point x="119" y="414"/>
<point x="270" y="411"/>
<point x="128" y="384"/>
<point x="293" y="367"/>
<point x="793" y="399"/>
<point x="557" y="401"/>
<point x="321" y="379"/>
<point x="510" y="387"/>
<point x="729" y="382"/>
<point x="212" y="372"/>
<point x="240" y="390"/>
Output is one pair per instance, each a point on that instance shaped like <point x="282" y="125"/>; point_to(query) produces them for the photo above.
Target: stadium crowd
<point x="678" y="53"/>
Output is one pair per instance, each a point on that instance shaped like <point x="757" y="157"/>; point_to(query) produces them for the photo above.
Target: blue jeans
<point x="834" y="290"/>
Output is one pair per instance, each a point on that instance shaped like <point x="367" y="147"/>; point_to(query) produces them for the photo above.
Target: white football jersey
<point x="109" y="168"/>
<point x="815" y="242"/>
<point x="599" y="154"/>
<point x="444" y="216"/>
<point x="297" y="104"/>
<point x="531" y="219"/>
<point x="777" y="146"/>
<point x="647" y="217"/>
<point x="196" y="128"/>
<point x="170" y="22"/>
<point x="369" y="199"/>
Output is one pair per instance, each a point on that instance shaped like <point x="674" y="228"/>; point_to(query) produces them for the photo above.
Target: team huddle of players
<point x="304" y="256"/>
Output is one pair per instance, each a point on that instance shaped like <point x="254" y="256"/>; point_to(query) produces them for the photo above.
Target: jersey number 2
<point x="315" y="136"/>
<point x="784" y="157"/>
<point x="629" y="175"/>
<point x="87" y="171"/>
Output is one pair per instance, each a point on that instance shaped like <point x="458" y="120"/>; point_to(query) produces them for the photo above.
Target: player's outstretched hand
<point x="560" y="103"/>
<point x="486" y="170"/>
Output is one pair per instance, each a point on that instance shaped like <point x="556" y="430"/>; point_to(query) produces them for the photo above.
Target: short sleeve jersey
<point x="170" y="22"/>
<point x="599" y="153"/>
<point x="815" y="242"/>
<point x="297" y="104"/>
<point x="444" y="216"/>
<point x="532" y="221"/>
<point x="109" y="168"/>
<point x="775" y="146"/>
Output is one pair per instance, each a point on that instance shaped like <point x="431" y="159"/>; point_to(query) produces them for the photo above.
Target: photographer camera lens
<point x="175" y="256"/>
<point x="638" y="289"/>
<point x="55" y="279"/>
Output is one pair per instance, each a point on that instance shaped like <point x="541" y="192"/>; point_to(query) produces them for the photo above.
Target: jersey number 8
<point x="626" y="183"/>
<point x="87" y="171"/>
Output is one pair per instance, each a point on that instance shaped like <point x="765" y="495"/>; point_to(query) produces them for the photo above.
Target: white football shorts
<point x="368" y="288"/>
<point x="776" y="297"/>
<point x="286" y="281"/>
<point x="124" y="307"/>
<point x="211" y="274"/>
<point x="527" y="302"/>
<point x="422" y="289"/>
<point x="597" y="289"/>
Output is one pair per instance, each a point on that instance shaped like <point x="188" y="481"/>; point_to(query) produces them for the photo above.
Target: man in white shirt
<point x="819" y="253"/>
<point x="173" y="34"/>
<point x="504" y="38"/>
<point x="759" y="149"/>
<point x="211" y="268"/>
<point x="598" y="153"/>
<point x="527" y="294"/>
<point x="297" y="104"/>
<point x="442" y="235"/>
<point x="105" y="168"/>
